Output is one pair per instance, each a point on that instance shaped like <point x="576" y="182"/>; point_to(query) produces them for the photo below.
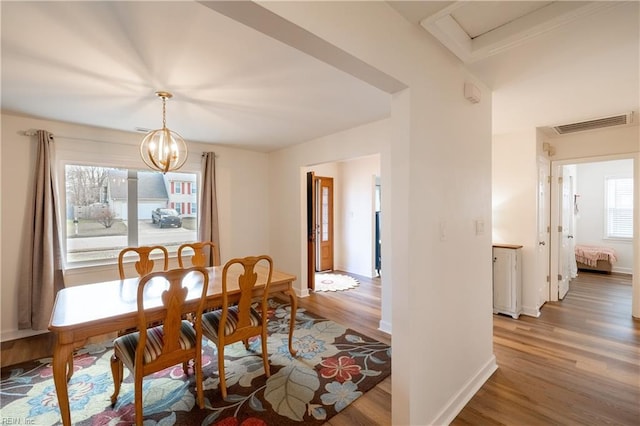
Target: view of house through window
<point x="619" y="207"/>
<point x="108" y="209"/>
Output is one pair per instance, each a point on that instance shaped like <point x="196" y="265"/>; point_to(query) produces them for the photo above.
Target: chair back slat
<point x="144" y="265"/>
<point x="202" y="252"/>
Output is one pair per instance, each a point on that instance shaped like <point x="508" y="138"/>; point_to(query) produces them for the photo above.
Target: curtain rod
<point x="32" y="132"/>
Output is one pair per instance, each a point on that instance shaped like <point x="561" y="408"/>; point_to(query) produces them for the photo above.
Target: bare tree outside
<point x="104" y="216"/>
<point x="85" y="184"/>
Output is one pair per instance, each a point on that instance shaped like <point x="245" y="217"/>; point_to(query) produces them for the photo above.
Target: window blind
<point x="619" y="208"/>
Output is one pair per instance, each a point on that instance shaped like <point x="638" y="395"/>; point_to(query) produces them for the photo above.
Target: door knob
<point x="541" y="243"/>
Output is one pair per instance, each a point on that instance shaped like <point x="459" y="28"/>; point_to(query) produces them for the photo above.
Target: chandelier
<point x="163" y="149"/>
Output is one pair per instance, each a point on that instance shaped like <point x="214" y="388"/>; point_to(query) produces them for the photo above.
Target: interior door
<point x="566" y="236"/>
<point x="324" y="218"/>
<point x="311" y="231"/>
<point x="544" y="214"/>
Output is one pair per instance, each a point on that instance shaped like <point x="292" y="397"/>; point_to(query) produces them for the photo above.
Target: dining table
<point x="90" y="310"/>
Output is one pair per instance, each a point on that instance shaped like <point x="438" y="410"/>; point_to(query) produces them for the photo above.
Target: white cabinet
<point x="507" y="279"/>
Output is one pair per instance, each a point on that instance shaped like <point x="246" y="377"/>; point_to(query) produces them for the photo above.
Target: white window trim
<point x="605" y="232"/>
<point x="62" y="196"/>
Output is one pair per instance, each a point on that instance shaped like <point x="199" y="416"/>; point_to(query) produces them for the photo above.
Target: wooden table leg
<point x="61" y="355"/>
<point x="292" y="322"/>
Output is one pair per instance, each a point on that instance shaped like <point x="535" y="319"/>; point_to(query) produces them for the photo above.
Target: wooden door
<point x="324" y="225"/>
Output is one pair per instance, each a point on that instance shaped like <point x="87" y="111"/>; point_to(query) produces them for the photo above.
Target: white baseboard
<point x="530" y="311"/>
<point x="457" y="403"/>
<point x="628" y="271"/>
<point x="302" y="293"/>
<point x="385" y="326"/>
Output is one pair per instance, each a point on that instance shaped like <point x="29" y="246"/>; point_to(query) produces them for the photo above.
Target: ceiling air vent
<point x="598" y="123"/>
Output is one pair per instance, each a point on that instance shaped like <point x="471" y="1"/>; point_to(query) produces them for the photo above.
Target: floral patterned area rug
<point x="334" y="366"/>
<point x="334" y="282"/>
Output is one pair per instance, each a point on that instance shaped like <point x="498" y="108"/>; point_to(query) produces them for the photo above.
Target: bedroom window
<point x="108" y="209"/>
<point x="619" y="207"/>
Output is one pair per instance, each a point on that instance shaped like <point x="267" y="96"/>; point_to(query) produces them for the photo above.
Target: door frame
<point x="555" y="217"/>
<point x="323" y="246"/>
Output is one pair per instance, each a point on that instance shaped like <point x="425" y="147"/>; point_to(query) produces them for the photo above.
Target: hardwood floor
<point x="577" y="364"/>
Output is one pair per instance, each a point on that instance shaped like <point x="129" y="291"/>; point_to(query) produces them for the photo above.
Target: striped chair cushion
<point x="211" y="321"/>
<point x="128" y="343"/>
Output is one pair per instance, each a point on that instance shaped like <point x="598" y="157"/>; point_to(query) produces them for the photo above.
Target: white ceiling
<point x="560" y="63"/>
<point x="99" y="63"/>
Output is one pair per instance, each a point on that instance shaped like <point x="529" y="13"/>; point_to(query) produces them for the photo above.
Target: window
<point x="178" y="187"/>
<point x="101" y="220"/>
<point x="619" y="207"/>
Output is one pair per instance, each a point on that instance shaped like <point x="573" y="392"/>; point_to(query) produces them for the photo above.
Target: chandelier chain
<point x="164" y="112"/>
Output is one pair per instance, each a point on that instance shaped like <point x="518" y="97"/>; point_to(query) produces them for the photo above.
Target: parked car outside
<point x="166" y="217"/>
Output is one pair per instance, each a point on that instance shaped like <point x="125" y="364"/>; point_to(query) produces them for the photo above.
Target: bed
<point x="594" y="258"/>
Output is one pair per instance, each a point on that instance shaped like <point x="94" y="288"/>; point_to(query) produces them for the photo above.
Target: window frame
<point x="607" y="209"/>
<point x="108" y="163"/>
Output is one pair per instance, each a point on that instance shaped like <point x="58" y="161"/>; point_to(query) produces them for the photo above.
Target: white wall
<point x="356" y="248"/>
<point x="324" y="156"/>
<point x="437" y="186"/>
<point x="596" y="143"/>
<point x="590" y="223"/>
<point x="514" y="199"/>
<point x="242" y="183"/>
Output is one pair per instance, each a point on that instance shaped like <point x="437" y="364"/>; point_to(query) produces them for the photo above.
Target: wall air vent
<point x="599" y="123"/>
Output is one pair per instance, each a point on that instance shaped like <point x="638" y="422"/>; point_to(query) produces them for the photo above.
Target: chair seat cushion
<point x="211" y="321"/>
<point x="128" y="343"/>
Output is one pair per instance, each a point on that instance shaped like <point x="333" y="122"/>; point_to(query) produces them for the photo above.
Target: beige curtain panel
<point x="208" y="226"/>
<point x="43" y="258"/>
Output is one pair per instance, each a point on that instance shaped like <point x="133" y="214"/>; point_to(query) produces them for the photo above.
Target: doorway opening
<point x="592" y="211"/>
<point x="343" y="217"/>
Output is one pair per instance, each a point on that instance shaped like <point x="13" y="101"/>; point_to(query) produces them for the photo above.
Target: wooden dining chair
<point x="200" y="253"/>
<point x="239" y="322"/>
<point x="176" y="341"/>
<point x="144" y="265"/>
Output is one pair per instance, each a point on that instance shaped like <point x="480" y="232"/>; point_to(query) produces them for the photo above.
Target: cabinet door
<point x="502" y="285"/>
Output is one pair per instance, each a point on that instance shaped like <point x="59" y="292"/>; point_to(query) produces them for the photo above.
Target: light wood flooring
<point x="577" y="364"/>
